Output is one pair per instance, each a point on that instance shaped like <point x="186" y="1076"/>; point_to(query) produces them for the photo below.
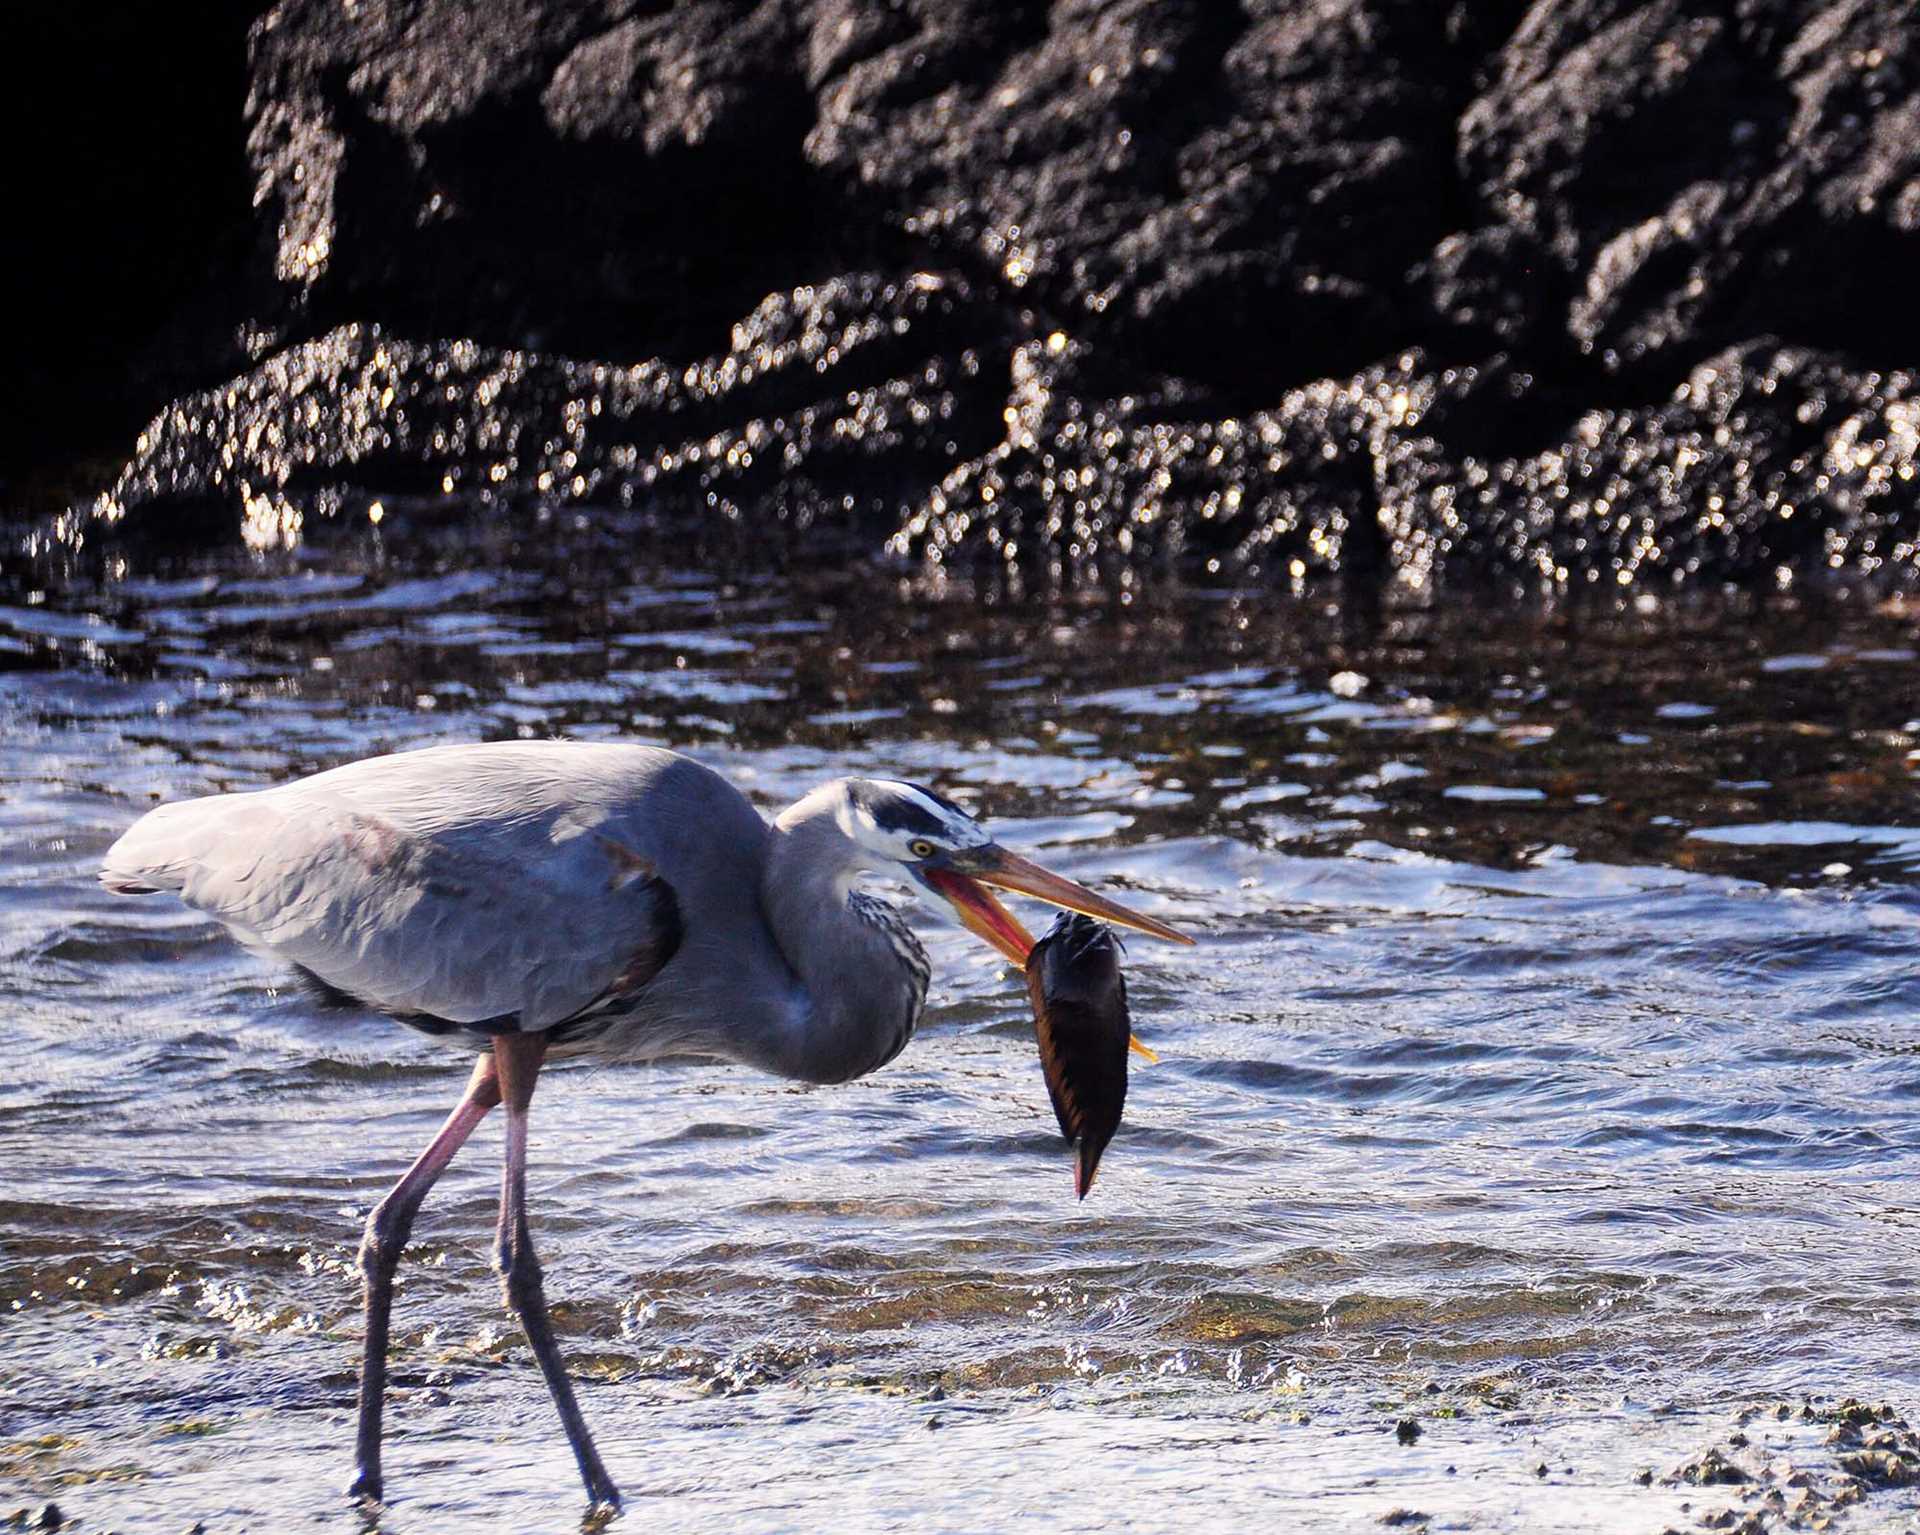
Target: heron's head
<point x="904" y="828"/>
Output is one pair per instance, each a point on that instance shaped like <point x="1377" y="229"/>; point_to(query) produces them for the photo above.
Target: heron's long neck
<point x="865" y="975"/>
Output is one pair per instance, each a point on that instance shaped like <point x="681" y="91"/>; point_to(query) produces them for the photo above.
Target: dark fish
<point x="1080" y="1016"/>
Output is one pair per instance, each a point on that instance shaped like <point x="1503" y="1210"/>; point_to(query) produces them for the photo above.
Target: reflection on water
<point x="1546" y="1072"/>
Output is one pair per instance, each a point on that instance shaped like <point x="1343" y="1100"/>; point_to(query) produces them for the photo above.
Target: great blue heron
<point x="543" y="899"/>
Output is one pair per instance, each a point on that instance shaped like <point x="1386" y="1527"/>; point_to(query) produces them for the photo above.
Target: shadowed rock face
<point x="126" y="186"/>
<point x="1589" y="292"/>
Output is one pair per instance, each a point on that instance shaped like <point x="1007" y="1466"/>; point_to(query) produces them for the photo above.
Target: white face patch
<point x="888" y="818"/>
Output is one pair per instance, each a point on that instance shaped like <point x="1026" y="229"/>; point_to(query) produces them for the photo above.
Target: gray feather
<point x="625" y="892"/>
<point x="460" y="883"/>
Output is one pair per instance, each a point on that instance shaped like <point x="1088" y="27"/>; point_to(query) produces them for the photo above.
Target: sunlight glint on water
<point x="1548" y="1058"/>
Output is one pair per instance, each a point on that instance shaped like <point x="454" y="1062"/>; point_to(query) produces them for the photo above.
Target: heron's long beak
<point x="994" y="865"/>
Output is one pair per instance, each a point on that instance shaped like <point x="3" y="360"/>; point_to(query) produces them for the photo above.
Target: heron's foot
<point x="603" y="1498"/>
<point x="366" y="1487"/>
<point x="603" y="1505"/>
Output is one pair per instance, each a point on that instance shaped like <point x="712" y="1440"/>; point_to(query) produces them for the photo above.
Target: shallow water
<point x="1546" y="1072"/>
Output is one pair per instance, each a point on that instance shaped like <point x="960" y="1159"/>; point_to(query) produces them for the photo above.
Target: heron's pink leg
<point x="518" y="1057"/>
<point x="387" y="1230"/>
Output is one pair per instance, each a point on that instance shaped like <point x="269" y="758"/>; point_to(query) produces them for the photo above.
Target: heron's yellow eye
<point x="921" y="848"/>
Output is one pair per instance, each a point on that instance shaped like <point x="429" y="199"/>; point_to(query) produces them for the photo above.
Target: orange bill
<point x="981" y="914"/>
<point x="1009" y="871"/>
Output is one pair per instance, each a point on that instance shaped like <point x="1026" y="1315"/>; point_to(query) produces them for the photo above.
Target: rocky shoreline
<point x="1589" y="293"/>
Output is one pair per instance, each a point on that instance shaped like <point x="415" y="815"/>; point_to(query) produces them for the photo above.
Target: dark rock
<point x="1854" y="1413"/>
<point x="1883" y="1467"/>
<point x="1234" y="195"/>
<point x="1697" y="175"/>
<point x="1711" y="1470"/>
<point x="1583" y="292"/>
<point x="1407" y="1430"/>
<point x="600" y="180"/>
<point x="830" y="391"/>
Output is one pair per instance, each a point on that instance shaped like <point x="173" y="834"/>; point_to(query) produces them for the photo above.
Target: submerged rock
<point x="1712" y="1469"/>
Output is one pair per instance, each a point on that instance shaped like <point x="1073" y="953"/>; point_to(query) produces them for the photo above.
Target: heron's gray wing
<point x="536" y="916"/>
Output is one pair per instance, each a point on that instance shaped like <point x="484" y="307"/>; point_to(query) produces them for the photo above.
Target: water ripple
<point x="1551" y="1032"/>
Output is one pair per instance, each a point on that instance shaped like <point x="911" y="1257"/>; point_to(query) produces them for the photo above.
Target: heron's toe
<point x="603" y="1504"/>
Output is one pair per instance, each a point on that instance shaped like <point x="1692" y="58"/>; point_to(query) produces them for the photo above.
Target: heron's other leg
<point x="519" y="1057"/>
<point x="388" y="1228"/>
